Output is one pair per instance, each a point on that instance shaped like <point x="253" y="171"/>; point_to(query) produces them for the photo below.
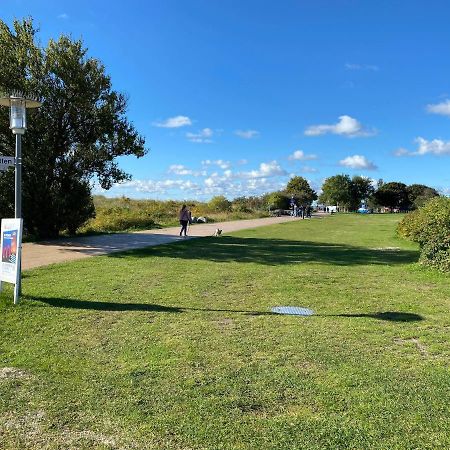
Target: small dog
<point x="218" y="232"/>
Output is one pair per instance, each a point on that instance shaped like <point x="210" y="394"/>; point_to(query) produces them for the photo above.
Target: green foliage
<point x="393" y="195"/>
<point x="73" y="139"/>
<point x="219" y="203"/>
<point x="301" y="190"/>
<point x="121" y="214"/>
<point x="430" y="227"/>
<point x="337" y="190"/>
<point x="419" y="194"/>
<point x="361" y="190"/>
<point x="277" y="200"/>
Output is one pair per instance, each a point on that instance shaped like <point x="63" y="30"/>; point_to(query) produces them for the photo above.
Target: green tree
<point x="361" y="190"/>
<point x="337" y="190"/>
<point x="277" y="200"/>
<point x="393" y="195"/>
<point x="419" y="194"/>
<point x="73" y="140"/>
<point x="301" y="190"/>
<point x="219" y="203"/>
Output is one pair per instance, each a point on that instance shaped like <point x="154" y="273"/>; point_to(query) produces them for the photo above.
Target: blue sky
<point x="234" y="97"/>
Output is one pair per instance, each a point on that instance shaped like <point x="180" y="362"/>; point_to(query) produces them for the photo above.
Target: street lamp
<point x="18" y="105"/>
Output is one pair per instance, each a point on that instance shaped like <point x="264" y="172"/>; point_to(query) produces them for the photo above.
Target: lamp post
<point x="18" y="105"/>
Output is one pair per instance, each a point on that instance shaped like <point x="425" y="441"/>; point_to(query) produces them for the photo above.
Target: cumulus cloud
<point x="217" y="162"/>
<point x="174" y="122"/>
<point x="357" y="162"/>
<point x="300" y="155"/>
<point x="371" y="67"/>
<point x="156" y="186"/>
<point x="179" y="169"/>
<point x="436" y="147"/>
<point x="202" y="137"/>
<point x="442" y="108"/>
<point x="266" y="170"/>
<point x="247" y="134"/>
<point x="347" y="126"/>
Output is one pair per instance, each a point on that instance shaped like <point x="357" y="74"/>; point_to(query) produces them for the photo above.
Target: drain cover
<point x="292" y="310"/>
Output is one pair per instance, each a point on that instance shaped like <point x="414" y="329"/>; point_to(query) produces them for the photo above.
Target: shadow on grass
<point x="274" y="252"/>
<point x="391" y="316"/>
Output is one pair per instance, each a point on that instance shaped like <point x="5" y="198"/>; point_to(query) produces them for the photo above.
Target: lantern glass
<point x="18" y="110"/>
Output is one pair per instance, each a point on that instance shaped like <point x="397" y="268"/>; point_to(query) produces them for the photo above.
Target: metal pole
<point x="18" y="178"/>
<point x="18" y="210"/>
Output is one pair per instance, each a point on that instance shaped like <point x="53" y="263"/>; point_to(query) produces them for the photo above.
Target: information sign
<point x="6" y="162"/>
<point x="11" y="245"/>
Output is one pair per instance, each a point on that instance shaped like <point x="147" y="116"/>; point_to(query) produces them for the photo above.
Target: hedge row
<point x="430" y="227"/>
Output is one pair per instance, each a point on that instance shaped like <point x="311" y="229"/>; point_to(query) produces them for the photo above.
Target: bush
<point x="430" y="227"/>
<point x="219" y="203"/>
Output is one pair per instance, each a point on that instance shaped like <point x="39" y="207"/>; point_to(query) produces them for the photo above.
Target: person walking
<point x="185" y="217"/>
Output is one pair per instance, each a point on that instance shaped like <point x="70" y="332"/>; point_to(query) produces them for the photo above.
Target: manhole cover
<point x="292" y="310"/>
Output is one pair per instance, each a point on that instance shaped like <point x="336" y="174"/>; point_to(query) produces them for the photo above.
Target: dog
<point x="218" y="232"/>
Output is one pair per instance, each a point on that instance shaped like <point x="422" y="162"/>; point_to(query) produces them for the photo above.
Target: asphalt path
<point x="36" y="254"/>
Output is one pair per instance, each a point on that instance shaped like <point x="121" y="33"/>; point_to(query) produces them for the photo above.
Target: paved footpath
<point x="50" y="252"/>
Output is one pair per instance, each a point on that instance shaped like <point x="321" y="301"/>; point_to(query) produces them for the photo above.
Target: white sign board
<point x="6" y="162"/>
<point x="11" y="245"/>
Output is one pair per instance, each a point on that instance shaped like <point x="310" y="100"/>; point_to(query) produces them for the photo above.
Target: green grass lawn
<point x="174" y="347"/>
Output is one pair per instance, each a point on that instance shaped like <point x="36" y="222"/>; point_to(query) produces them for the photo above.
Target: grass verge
<point x="174" y="347"/>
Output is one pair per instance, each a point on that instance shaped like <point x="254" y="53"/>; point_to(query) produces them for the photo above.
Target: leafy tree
<point x="277" y="200"/>
<point x="361" y="189"/>
<point x="219" y="203"/>
<point x="301" y="190"/>
<point x="337" y="190"/>
<point x="73" y="140"/>
<point x="419" y="194"/>
<point x="393" y="195"/>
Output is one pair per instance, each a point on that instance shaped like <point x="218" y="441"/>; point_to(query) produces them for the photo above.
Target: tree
<point x="277" y="200"/>
<point x="393" y="195"/>
<point x="361" y="190"/>
<point x="73" y="140"/>
<point x="301" y="190"/>
<point x="337" y="190"/>
<point x="419" y="194"/>
<point x="219" y="203"/>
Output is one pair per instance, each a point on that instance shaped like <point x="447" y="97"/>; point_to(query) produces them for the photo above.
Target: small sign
<point x="11" y="245"/>
<point x="6" y="162"/>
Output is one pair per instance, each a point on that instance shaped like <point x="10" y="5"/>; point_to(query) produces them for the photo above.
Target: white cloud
<point x="247" y="134"/>
<point x="308" y="169"/>
<point x="174" y="122"/>
<point x="63" y="16"/>
<point x="179" y="169"/>
<point x="401" y="152"/>
<point x="156" y="186"/>
<point x="357" y="162"/>
<point x="372" y="67"/>
<point x="218" y="162"/>
<point x="442" y="108"/>
<point x="347" y="126"/>
<point x="266" y="170"/>
<point x="299" y="155"/>
<point x="436" y="147"/>
<point x="202" y="137"/>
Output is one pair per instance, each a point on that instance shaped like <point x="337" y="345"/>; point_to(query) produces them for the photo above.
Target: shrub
<point x="219" y="203"/>
<point x="430" y="227"/>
